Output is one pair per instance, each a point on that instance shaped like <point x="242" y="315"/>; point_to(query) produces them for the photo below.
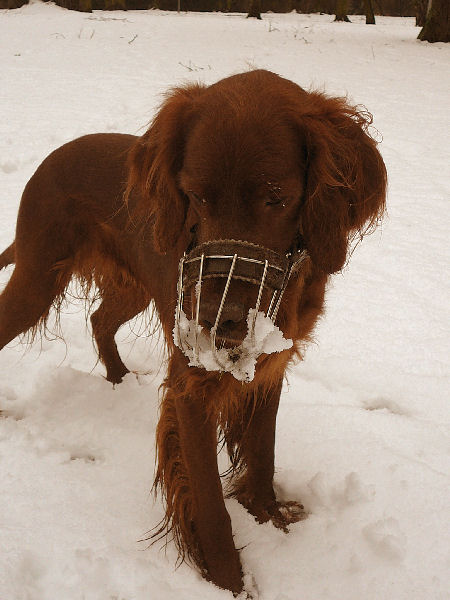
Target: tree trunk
<point x="254" y="9"/>
<point x="12" y="3"/>
<point x="80" y="5"/>
<point x="370" y="17"/>
<point x="115" y="5"/>
<point x="341" y="11"/>
<point x="420" y="7"/>
<point x="437" y="24"/>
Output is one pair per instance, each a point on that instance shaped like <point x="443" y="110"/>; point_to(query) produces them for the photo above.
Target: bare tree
<point x="420" y="6"/>
<point x="80" y="5"/>
<point x="437" y="24"/>
<point x="370" y="17"/>
<point x="12" y="3"/>
<point x="254" y="9"/>
<point x="115" y="5"/>
<point x="341" y="11"/>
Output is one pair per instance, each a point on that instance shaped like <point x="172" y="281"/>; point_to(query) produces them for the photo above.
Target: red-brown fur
<point x="117" y="212"/>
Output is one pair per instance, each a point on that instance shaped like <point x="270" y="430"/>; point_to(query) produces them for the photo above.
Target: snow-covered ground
<point x="363" y="437"/>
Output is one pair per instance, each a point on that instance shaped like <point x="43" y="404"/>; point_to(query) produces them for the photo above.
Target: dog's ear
<point x="153" y="166"/>
<point x="345" y="178"/>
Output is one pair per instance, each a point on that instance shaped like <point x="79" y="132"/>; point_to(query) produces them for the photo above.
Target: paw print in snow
<point x="386" y="539"/>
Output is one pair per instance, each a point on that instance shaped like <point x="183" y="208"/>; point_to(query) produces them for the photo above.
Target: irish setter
<point x="242" y="196"/>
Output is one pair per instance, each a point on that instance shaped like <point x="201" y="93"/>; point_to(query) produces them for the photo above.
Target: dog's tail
<point x="7" y="257"/>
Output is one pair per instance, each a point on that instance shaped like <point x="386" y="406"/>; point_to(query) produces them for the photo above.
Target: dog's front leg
<point x="188" y="476"/>
<point x="211" y="522"/>
<point x="252" y="440"/>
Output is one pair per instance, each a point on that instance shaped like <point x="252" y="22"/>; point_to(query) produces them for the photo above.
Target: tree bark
<point x="420" y="7"/>
<point x="254" y="9"/>
<point x="115" y="5"/>
<point x="370" y="17"/>
<point x="341" y="11"/>
<point x="437" y="24"/>
<point x="12" y="3"/>
<point x="80" y="5"/>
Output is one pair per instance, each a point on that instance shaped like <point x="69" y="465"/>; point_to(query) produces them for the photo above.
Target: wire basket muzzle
<point x="216" y="257"/>
<point x="230" y="259"/>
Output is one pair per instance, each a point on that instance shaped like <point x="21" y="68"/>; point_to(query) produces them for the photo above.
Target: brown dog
<point x="259" y="185"/>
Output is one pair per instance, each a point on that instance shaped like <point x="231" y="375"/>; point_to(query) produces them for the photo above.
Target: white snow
<point x="363" y="436"/>
<point x="263" y="337"/>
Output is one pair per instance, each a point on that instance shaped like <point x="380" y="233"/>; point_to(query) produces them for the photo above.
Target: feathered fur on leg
<point x="187" y="474"/>
<point x="173" y="482"/>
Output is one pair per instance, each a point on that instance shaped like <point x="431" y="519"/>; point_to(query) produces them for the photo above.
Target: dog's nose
<point x="233" y="313"/>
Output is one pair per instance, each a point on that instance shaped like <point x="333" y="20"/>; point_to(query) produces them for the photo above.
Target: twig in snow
<point x="123" y="19"/>
<point x="191" y="67"/>
<point x="81" y="31"/>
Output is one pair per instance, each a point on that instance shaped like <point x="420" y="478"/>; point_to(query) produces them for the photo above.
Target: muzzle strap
<point x="239" y="260"/>
<point x="250" y="264"/>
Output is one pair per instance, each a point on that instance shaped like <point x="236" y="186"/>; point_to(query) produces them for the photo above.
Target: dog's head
<point x="257" y="159"/>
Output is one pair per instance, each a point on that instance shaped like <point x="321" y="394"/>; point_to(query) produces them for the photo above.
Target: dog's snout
<point x="233" y="313"/>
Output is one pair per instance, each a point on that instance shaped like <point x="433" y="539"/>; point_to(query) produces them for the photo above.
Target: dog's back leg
<point x="27" y="298"/>
<point x="7" y="256"/>
<point x="115" y="310"/>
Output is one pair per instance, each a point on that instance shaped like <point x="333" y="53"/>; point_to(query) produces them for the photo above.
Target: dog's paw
<point x="283" y="514"/>
<point x="250" y="591"/>
<point x="280" y="513"/>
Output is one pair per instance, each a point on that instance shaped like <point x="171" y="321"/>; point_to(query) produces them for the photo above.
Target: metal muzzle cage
<point x="240" y="260"/>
